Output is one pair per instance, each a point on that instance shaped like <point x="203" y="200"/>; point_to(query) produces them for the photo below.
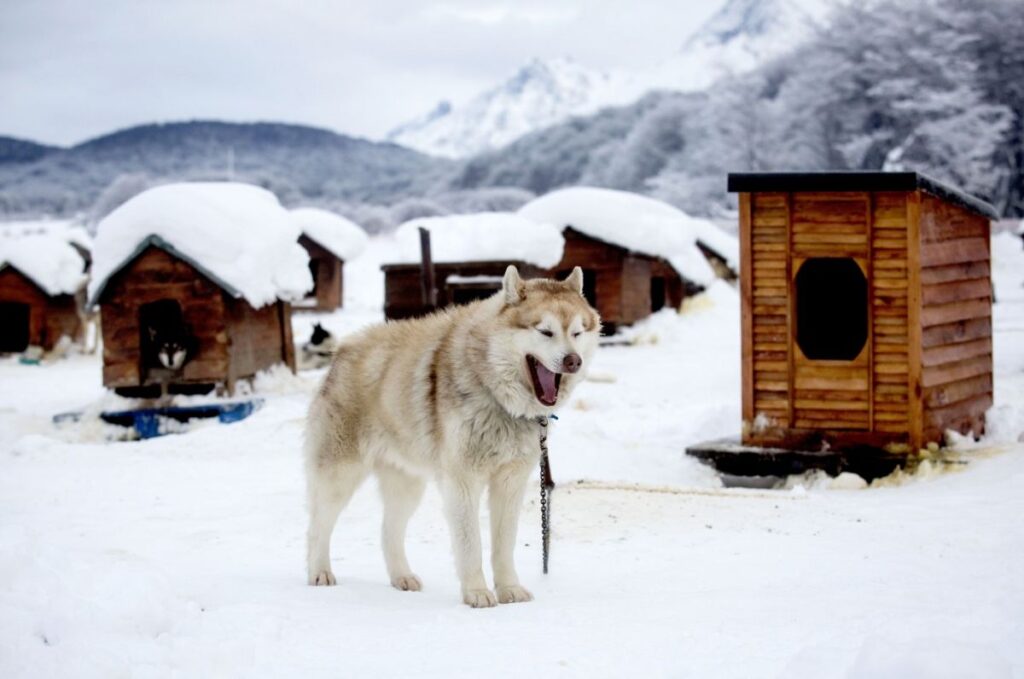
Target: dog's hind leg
<point x="329" y="490"/>
<point x="401" y="494"/>
<point x="462" y="509"/>
<point x="505" y="497"/>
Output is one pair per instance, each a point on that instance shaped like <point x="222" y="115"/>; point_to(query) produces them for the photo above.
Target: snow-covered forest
<point x="931" y="85"/>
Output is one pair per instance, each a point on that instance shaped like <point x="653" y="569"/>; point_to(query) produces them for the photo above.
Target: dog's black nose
<point x="572" y="363"/>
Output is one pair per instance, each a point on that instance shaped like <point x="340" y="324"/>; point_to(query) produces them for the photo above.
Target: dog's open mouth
<point x="545" y="382"/>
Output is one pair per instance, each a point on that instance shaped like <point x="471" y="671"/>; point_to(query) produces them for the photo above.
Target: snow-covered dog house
<point x="470" y="254"/>
<point x="40" y="274"/>
<point x="638" y="254"/>
<point x="330" y="240"/>
<point x="866" y="309"/>
<point x="220" y="261"/>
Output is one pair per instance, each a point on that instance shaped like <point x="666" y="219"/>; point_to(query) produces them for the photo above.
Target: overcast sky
<point x="73" y="69"/>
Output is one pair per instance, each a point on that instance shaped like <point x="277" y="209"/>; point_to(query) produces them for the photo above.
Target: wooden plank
<point x="746" y="308"/>
<point x="950" y="353"/>
<point x="955" y="251"/>
<point x="946" y="373"/>
<point x="958" y="331"/>
<point x="790" y="310"/>
<point x="949" y="416"/>
<point x="956" y="291"/>
<point x="814" y="404"/>
<point x="955" y="272"/>
<point x="938" y="314"/>
<point x="915" y="414"/>
<point x="954" y="392"/>
<point x="851" y="383"/>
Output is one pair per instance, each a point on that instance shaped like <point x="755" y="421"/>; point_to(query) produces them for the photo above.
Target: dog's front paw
<point x="479" y="598"/>
<point x="407" y="583"/>
<point x="323" y="578"/>
<point x="513" y="594"/>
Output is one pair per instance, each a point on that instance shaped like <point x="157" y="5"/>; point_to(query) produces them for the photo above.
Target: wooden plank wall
<point x="956" y="318"/>
<point x="256" y="338"/>
<point x="50" y="318"/>
<point x="328" y="290"/>
<point x="889" y="304"/>
<point x="156" y="275"/>
<point x="767" y="289"/>
<point x="827" y="394"/>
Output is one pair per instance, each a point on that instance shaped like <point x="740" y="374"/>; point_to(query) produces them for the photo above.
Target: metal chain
<point x="546" y="486"/>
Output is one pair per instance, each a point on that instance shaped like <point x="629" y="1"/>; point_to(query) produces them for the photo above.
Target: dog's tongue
<point x="548" y="383"/>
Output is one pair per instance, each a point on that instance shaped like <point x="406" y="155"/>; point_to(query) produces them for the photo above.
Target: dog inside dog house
<point x="866" y="320"/>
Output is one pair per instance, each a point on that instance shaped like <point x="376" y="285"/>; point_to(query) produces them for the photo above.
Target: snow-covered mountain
<point x="540" y="94"/>
<point x="742" y="34"/>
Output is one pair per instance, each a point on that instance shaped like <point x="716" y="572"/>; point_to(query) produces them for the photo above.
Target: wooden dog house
<point x="866" y="309"/>
<point x="638" y="255"/>
<point x="330" y="240"/>
<point x="218" y="262"/>
<point x="39" y="278"/>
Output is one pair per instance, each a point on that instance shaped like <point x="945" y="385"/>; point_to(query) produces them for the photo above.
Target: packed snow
<point x="341" y="237"/>
<point x="47" y="258"/>
<point x="639" y="224"/>
<point x="183" y="555"/>
<point x="482" y="237"/>
<point x="237" y="234"/>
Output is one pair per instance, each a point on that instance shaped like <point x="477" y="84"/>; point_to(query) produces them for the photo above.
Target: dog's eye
<point x="577" y="334"/>
<point x="546" y="333"/>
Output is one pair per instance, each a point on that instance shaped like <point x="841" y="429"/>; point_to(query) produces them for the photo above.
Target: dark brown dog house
<point x="866" y="309"/>
<point x="40" y="276"/>
<point x="213" y="267"/>
<point x="233" y="340"/>
<point x="330" y="240"/>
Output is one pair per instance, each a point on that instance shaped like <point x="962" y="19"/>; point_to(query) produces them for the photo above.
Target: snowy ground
<point x="183" y="555"/>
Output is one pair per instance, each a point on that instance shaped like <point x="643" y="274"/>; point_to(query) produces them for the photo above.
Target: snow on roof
<point x="68" y="229"/>
<point x="481" y="237"/>
<point x="639" y="224"/>
<point x="344" y="239"/>
<point x="46" y="258"/>
<point x="238" y="235"/>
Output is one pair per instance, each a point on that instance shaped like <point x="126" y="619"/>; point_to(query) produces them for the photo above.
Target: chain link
<point x="546" y="486"/>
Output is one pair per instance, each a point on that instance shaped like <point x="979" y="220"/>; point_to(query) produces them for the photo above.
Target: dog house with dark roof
<point x="866" y="309"/>
<point x="330" y="240"/>
<point x="218" y="261"/>
<point x="40" y="275"/>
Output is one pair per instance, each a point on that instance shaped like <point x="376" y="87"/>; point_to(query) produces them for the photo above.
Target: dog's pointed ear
<point x="512" y="286"/>
<point x="575" y="280"/>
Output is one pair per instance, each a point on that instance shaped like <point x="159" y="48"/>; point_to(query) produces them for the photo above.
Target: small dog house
<point x="203" y="272"/>
<point x="866" y="309"/>
<point x="330" y="240"/>
<point x="637" y="254"/>
<point x="469" y="254"/>
<point x="40" y="274"/>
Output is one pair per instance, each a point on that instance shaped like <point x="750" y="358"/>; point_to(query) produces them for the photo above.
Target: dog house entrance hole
<point x="13" y="327"/>
<point x="831" y="309"/>
<point x="314" y="271"/>
<point x="160" y="322"/>
<point x="657" y="293"/>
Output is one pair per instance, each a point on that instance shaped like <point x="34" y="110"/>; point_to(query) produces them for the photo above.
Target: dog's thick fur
<point x="450" y="397"/>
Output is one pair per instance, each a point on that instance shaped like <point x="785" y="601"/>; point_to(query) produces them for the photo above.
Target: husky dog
<point x="319" y="350"/>
<point x="454" y="396"/>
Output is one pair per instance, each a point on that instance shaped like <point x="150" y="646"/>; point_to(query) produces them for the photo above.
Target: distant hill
<point x="22" y="151"/>
<point x="300" y="164"/>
